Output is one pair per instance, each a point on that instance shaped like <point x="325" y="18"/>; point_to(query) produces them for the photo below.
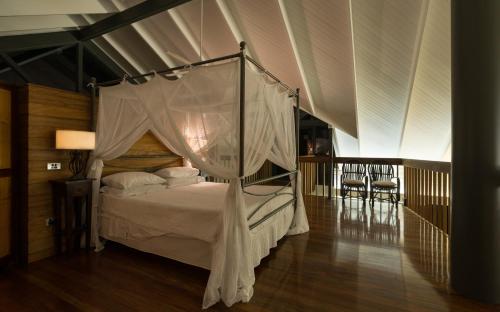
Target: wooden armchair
<point x="383" y="181"/>
<point x="354" y="178"/>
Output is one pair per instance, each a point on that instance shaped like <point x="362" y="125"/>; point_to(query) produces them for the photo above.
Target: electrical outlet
<point x="49" y="221"/>
<point x="53" y="166"/>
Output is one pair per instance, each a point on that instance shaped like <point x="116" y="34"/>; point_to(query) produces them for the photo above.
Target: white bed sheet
<point x="194" y="251"/>
<point x="192" y="211"/>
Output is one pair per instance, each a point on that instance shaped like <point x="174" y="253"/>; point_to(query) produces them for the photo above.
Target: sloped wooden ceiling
<point x="378" y="71"/>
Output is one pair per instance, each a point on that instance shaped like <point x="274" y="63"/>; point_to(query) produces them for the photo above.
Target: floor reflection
<point x="378" y="223"/>
<point x="354" y="258"/>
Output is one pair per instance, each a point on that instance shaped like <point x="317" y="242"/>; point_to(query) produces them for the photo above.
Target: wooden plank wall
<point x="5" y="166"/>
<point x="46" y="110"/>
<point x="147" y="154"/>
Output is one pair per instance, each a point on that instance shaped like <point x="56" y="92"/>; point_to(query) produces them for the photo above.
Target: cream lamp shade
<point x="75" y="140"/>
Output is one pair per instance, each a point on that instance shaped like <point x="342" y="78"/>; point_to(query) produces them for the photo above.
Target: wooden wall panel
<point x="5" y="128"/>
<point x="5" y="163"/>
<point x="46" y="110"/>
<point x="5" y="216"/>
<point x="146" y="154"/>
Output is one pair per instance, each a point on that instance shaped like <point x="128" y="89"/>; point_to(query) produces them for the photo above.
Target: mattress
<point x="190" y="212"/>
<point x="194" y="251"/>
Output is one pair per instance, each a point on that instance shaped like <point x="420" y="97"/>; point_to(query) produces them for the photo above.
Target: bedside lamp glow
<point x="75" y="141"/>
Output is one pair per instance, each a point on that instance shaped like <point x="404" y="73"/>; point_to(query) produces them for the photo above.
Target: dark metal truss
<point x="80" y="38"/>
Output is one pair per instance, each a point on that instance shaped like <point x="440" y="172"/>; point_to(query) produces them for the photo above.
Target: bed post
<point x="297" y="135"/>
<point x="93" y="106"/>
<point x="242" y="111"/>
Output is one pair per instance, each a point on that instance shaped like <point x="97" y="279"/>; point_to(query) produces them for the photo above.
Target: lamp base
<point x="77" y="165"/>
<point x="77" y="177"/>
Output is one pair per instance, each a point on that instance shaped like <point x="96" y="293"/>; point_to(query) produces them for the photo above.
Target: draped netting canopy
<point x="198" y="117"/>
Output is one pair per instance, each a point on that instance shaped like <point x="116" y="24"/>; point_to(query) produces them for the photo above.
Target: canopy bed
<point x="227" y="115"/>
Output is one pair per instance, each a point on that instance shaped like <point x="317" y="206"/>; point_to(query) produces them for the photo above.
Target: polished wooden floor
<point x="354" y="259"/>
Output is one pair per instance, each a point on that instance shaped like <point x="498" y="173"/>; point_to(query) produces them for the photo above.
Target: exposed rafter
<point x="37" y="57"/>
<point x="118" y="46"/>
<point x="37" y="41"/>
<point x="15" y="67"/>
<point x="186" y="32"/>
<point x="56" y="39"/>
<point x="354" y="73"/>
<point x="103" y="57"/>
<point x="235" y="29"/>
<point x="293" y="42"/>
<point x="36" y="23"/>
<point x="148" y="38"/>
<point x="131" y="15"/>
<point x="416" y="54"/>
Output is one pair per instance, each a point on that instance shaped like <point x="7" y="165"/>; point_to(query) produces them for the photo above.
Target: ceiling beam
<point x="37" y="57"/>
<point x="148" y="38"/>
<point x="15" y="67"/>
<point x="120" y="48"/>
<point x="235" y="29"/>
<point x="63" y="38"/>
<point x="37" y="41"/>
<point x="186" y="32"/>
<point x="131" y="15"/>
<point x="415" y="59"/>
<point x="296" y="53"/>
<point x="108" y="62"/>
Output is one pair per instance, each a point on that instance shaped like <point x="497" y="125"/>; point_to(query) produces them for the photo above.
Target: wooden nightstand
<point x="71" y="200"/>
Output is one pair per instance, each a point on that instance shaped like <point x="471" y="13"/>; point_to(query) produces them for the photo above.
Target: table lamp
<point x="75" y="142"/>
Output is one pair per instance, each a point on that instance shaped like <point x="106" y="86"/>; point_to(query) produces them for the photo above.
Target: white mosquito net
<point x="197" y="117"/>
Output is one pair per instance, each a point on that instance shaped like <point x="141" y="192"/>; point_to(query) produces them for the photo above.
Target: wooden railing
<point x="316" y="175"/>
<point x="425" y="185"/>
<point x="427" y="191"/>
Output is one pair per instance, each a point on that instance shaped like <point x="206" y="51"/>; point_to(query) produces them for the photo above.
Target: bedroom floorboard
<point x="353" y="259"/>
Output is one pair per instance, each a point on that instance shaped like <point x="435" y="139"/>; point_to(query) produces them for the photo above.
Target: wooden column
<point x="475" y="181"/>
<point x="331" y="150"/>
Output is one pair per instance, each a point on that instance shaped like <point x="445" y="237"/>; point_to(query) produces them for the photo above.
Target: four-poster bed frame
<point x="243" y="58"/>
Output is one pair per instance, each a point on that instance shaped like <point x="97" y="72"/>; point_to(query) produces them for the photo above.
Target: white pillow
<point x="176" y="182"/>
<point x="135" y="191"/>
<point x="127" y="180"/>
<point x="177" y="172"/>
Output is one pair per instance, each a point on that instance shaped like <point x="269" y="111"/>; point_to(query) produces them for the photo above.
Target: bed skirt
<point x="192" y="251"/>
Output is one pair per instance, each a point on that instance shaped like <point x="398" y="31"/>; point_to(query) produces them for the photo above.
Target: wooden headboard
<point x="147" y="154"/>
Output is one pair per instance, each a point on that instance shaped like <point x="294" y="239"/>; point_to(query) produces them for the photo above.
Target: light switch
<point x="53" y="166"/>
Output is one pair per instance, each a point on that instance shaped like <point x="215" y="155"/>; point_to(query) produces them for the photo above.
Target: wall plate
<point x="53" y="166"/>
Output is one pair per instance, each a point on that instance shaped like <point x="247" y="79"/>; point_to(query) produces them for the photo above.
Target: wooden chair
<point x="383" y="181"/>
<point x="354" y="178"/>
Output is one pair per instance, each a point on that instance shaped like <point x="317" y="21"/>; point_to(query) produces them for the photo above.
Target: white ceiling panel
<point x="263" y="28"/>
<point x="217" y="37"/>
<point x="428" y="124"/>
<point x="386" y="35"/>
<point x="53" y="7"/>
<point x="36" y="23"/>
<point x="377" y="70"/>
<point x="346" y="145"/>
<point x="322" y="31"/>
